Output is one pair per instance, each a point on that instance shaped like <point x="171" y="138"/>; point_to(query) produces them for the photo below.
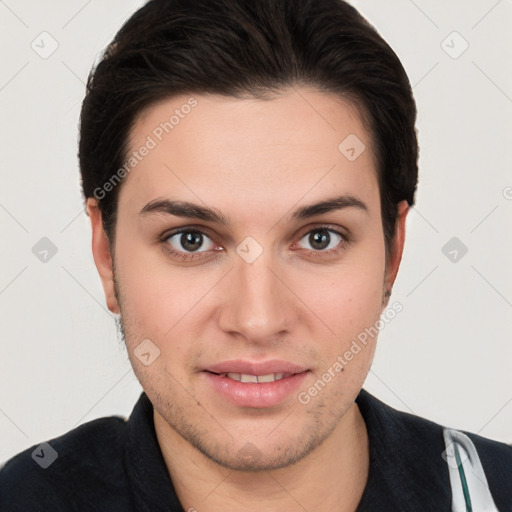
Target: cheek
<point x="351" y="300"/>
<point x="352" y="293"/>
<point x="158" y="300"/>
<point x="352" y="311"/>
<point x="146" y="293"/>
<point x="351" y="305"/>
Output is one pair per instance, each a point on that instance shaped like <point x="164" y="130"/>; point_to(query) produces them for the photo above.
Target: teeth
<point x="248" y="378"/>
<point x="271" y="377"/>
<point x="243" y="377"/>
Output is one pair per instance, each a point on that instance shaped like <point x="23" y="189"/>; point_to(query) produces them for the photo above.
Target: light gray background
<point x="447" y="356"/>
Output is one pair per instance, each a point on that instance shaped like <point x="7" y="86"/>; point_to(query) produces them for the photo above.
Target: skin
<point x="255" y="161"/>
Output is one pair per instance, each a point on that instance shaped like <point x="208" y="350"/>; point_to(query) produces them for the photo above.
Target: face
<point x="249" y="301"/>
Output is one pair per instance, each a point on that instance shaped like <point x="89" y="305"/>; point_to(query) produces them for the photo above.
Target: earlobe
<point x="397" y="248"/>
<point x="102" y="255"/>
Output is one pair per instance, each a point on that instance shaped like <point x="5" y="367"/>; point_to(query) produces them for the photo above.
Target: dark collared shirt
<point x="111" y="464"/>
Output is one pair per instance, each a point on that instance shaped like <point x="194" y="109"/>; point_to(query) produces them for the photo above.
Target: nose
<point x="257" y="305"/>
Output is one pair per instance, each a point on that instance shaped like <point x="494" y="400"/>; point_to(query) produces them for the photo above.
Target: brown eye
<point x="322" y="239"/>
<point x="189" y="241"/>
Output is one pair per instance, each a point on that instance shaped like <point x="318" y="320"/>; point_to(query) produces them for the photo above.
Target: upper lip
<point x="256" y="368"/>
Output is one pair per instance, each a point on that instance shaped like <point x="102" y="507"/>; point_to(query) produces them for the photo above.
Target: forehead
<point x="245" y="152"/>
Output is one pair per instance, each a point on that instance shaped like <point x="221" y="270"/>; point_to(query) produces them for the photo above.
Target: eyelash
<point x="184" y="256"/>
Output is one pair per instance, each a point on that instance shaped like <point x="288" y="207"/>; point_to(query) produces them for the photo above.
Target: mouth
<point x="256" y="385"/>
<point x="275" y="368"/>
<point x="255" y="379"/>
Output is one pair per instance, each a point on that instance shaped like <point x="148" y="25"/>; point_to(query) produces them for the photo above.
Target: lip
<point x="255" y="395"/>
<point x="256" y="368"/>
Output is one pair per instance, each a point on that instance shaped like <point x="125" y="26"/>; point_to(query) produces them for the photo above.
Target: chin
<point x="250" y="457"/>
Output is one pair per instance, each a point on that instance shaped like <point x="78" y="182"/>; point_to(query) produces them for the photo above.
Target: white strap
<point x="470" y="491"/>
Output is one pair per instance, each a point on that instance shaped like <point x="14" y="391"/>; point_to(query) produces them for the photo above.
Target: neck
<point x="331" y="478"/>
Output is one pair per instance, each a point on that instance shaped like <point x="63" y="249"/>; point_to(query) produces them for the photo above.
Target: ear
<point x="397" y="248"/>
<point x="102" y="255"/>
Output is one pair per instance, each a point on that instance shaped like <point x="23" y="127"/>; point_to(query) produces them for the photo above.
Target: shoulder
<point x="425" y="453"/>
<point x="493" y="459"/>
<point x="496" y="453"/>
<point x="399" y="426"/>
<point x="496" y="456"/>
<point x="53" y="473"/>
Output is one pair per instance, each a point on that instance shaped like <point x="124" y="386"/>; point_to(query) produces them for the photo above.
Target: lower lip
<point x="249" y="394"/>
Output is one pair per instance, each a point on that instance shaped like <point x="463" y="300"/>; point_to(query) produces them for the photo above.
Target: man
<point x="248" y="168"/>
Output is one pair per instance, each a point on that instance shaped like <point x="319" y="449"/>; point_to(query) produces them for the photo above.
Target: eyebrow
<point x="195" y="211"/>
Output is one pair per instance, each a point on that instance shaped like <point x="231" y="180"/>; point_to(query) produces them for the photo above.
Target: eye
<point x="186" y="242"/>
<point x="189" y="244"/>
<point x="323" y="239"/>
